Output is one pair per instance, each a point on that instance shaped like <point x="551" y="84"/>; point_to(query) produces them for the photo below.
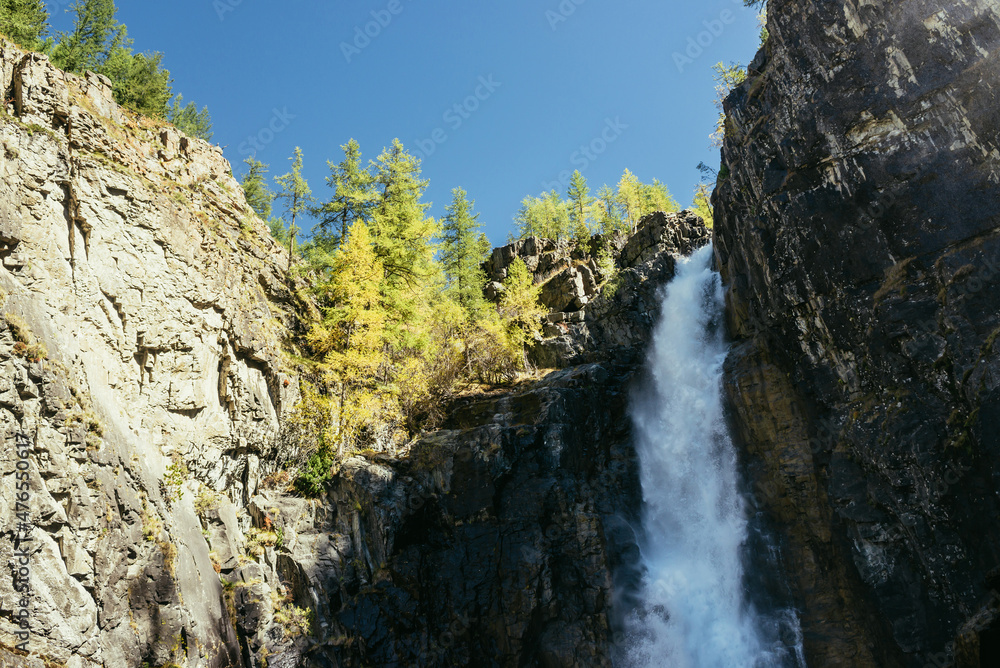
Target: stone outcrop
<point x="594" y="317"/>
<point x="130" y="255"/>
<point x="857" y="229"/>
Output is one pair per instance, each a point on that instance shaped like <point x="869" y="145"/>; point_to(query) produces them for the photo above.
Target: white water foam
<point x="694" y="611"/>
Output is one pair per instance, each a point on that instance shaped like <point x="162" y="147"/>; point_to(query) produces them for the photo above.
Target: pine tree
<point x="100" y="44"/>
<point x="703" y="203"/>
<point x="297" y="197"/>
<point x="610" y="218"/>
<point x="189" y="120"/>
<point x="529" y="221"/>
<point x="629" y="198"/>
<point x="656" y="197"/>
<point x="25" y="22"/>
<point x="352" y="335"/>
<point x="352" y="200"/>
<point x="139" y="81"/>
<point x="464" y="248"/>
<point x="402" y="233"/>
<point x="580" y="204"/>
<point x="254" y="183"/>
<point x="278" y="229"/>
<point x="96" y="35"/>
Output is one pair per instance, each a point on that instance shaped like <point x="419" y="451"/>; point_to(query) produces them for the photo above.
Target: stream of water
<point x="695" y="610"/>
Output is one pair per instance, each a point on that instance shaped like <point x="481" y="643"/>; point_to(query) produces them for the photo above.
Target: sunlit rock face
<point x="131" y="256"/>
<point x="857" y="229"/>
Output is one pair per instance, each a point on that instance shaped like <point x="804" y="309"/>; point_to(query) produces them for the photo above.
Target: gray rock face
<point x="130" y="254"/>
<point x="856" y="227"/>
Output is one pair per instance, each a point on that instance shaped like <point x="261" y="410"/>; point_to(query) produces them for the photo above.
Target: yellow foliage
<point x="630" y="198"/>
<point x="519" y="308"/>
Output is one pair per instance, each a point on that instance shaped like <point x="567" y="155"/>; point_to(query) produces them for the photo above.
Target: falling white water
<point x="694" y="611"/>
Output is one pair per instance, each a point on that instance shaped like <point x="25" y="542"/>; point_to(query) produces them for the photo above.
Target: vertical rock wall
<point x="857" y="215"/>
<point x="130" y="254"/>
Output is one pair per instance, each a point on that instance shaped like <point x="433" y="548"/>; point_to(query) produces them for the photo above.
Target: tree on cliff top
<point x="352" y="200"/>
<point x="630" y="199"/>
<point x="25" y="22"/>
<point x="100" y="44"/>
<point x="580" y="205"/>
<point x="727" y="77"/>
<point x="463" y="249"/>
<point x="402" y="237"/>
<point x="297" y="197"/>
<point x="254" y="183"/>
<point x="95" y="37"/>
<point x="656" y="197"/>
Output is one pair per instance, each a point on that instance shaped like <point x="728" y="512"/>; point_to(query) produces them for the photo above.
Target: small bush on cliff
<point x="189" y="120"/>
<point x="293" y="620"/>
<point x="702" y="204"/>
<point x="25" y="344"/>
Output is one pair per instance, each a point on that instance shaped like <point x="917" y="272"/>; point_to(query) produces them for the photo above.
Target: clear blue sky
<point x="558" y="72"/>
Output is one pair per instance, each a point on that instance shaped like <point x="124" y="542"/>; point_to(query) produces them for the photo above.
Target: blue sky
<point x="535" y="81"/>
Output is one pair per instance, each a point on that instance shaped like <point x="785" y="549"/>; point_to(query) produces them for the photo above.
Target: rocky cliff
<point x="145" y="326"/>
<point x="140" y="351"/>
<point x="857" y="229"/>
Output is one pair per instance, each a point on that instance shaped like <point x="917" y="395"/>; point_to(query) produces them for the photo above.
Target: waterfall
<point x="694" y="611"/>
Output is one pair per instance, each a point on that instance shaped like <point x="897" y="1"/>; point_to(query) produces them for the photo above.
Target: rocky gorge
<point x="145" y="313"/>
<point x="147" y="337"/>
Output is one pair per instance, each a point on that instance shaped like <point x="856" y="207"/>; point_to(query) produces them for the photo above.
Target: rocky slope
<point x="857" y="229"/>
<point x="145" y="317"/>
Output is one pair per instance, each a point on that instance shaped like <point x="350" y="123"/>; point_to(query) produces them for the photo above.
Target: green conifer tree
<point x="189" y="120"/>
<point x="464" y="248"/>
<point x="254" y="183"/>
<point x="610" y="218"/>
<point x="96" y="35"/>
<point x="353" y="197"/>
<point x="656" y="197"/>
<point x="402" y="232"/>
<point x="297" y="196"/>
<point x="139" y="81"/>
<point x="529" y="221"/>
<point x="580" y="203"/>
<point x="100" y="44"/>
